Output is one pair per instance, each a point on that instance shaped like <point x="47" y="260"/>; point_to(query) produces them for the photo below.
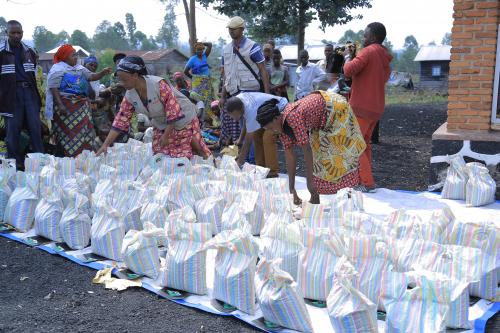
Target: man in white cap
<point x="243" y="63"/>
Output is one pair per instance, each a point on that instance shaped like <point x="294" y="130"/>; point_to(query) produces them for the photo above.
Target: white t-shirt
<point x="252" y="101"/>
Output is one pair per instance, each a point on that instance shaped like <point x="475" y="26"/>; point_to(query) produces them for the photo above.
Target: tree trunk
<point x="190" y="11"/>
<point x="192" y="29"/>
<point x="301" y="29"/>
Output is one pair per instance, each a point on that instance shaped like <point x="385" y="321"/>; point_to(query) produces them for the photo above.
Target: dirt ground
<point x="45" y="293"/>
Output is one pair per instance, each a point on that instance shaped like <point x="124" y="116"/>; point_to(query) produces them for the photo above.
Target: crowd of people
<point x="331" y="117"/>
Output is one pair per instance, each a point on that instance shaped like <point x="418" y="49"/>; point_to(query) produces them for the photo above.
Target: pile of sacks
<point x="471" y="182"/>
<point x="128" y="203"/>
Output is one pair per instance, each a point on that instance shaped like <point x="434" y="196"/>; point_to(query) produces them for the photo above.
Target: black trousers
<point x="26" y="116"/>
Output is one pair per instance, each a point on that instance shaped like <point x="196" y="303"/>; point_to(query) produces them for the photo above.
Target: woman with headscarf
<point x="181" y="83"/>
<point x="325" y="127"/>
<point x="67" y="102"/>
<point x="176" y="130"/>
<point x="198" y="70"/>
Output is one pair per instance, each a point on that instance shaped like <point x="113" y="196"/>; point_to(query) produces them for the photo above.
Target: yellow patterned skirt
<point x="336" y="148"/>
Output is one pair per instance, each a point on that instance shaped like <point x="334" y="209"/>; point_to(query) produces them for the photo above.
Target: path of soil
<point x="45" y="293"/>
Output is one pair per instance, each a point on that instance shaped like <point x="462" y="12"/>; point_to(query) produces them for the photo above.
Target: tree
<point x="79" y="37"/>
<point x="44" y="39"/>
<point x="388" y="45"/>
<point x="145" y="43"/>
<point x="350" y="35"/>
<point x="406" y="61"/>
<point x="446" y="39"/>
<point x="131" y="28"/>
<point x="295" y="15"/>
<point x="105" y="60"/>
<point x="410" y="42"/>
<point x="3" y="28"/>
<point x="168" y="34"/>
<point x="110" y="36"/>
<point x="62" y="37"/>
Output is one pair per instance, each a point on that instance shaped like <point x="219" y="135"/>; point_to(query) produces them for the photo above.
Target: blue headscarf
<point x="90" y="60"/>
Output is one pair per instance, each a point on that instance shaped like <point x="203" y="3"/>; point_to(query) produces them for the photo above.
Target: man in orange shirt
<point x="369" y="71"/>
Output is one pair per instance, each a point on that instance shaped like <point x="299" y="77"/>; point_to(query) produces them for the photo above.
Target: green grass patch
<point x="403" y="96"/>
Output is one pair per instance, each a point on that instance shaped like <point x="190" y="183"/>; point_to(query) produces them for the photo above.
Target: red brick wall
<point x="472" y="67"/>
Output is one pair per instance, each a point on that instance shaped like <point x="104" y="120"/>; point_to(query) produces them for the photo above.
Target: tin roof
<point x="434" y="53"/>
<point x="151" y="55"/>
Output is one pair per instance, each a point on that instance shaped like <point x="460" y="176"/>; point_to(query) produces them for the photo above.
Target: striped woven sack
<point x="170" y="165"/>
<point x="210" y="188"/>
<point x="198" y="160"/>
<point x="346" y="200"/>
<point x="421" y="309"/>
<point x="107" y="172"/>
<point x="457" y="297"/>
<point x="484" y="236"/>
<point x="20" y="209"/>
<point x="316" y="216"/>
<point x="392" y="286"/>
<point x="185" y="262"/>
<point x="348" y="308"/>
<point x="356" y="223"/>
<point x="369" y="256"/>
<point x="238" y="181"/>
<point x="48" y="214"/>
<point x="234" y="218"/>
<point x="274" y="197"/>
<point x="228" y="163"/>
<point x="140" y="250"/>
<point x="234" y="278"/>
<point x="456" y="180"/>
<point x="408" y="252"/>
<point x="248" y="205"/>
<point x="481" y="187"/>
<point x="279" y="299"/>
<point x="81" y="183"/>
<point x="317" y="260"/>
<point x="205" y="170"/>
<point x="156" y="214"/>
<point x="75" y="225"/>
<point x="34" y="162"/>
<point x="185" y="214"/>
<point x="209" y="210"/>
<point x="404" y="225"/>
<point x="7" y="182"/>
<point x="181" y="194"/>
<point x="107" y="232"/>
<point x="255" y="171"/>
<point x="281" y="239"/>
<point x="129" y="204"/>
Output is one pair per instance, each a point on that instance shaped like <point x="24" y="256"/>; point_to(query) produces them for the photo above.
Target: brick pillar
<point x="472" y="67"/>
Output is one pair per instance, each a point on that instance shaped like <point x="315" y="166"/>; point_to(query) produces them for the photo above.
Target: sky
<point x="427" y="20"/>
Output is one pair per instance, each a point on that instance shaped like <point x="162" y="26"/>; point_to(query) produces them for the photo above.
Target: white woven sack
<point x="279" y="299"/>
<point x="75" y="222"/>
<point x="140" y="252"/>
<point x="48" y="214"/>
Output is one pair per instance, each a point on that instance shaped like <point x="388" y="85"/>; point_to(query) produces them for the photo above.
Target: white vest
<point x="155" y="109"/>
<point x="237" y="76"/>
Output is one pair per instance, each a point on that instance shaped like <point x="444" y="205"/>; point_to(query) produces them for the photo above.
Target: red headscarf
<point x="63" y="53"/>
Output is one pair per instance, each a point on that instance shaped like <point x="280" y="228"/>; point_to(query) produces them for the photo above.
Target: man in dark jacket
<point x="19" y="97"/>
